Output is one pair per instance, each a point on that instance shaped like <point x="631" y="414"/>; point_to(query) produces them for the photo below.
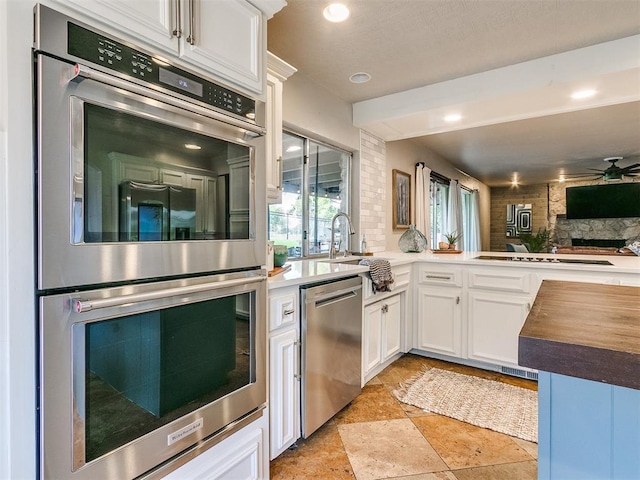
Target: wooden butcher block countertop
<point x="584" y="330"/>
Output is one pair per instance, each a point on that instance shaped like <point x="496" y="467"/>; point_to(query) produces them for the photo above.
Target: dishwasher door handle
<point x="333" y="297"/>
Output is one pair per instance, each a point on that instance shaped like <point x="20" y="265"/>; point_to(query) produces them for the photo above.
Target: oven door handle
<point x="84" y="72"/>
<point x="83" y="305"/>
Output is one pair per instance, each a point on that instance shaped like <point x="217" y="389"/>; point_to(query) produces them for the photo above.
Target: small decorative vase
<point x="280" y="255"/>
<point x="412" y="241"/>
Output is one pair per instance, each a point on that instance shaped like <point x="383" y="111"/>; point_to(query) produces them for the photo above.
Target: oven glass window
<point x="146" y="181"/>
<point x="146" y="370"/>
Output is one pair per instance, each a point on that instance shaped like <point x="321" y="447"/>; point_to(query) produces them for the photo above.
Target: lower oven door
<point x="131" y="376"/>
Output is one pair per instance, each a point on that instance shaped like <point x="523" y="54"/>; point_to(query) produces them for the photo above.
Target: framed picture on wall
<point x="401" y="200"/>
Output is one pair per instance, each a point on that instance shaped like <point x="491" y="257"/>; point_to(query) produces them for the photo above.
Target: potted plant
<point x="452" y="238"/>
<point x="536" y="243"/>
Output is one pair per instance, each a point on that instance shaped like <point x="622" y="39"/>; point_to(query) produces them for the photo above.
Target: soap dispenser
<point x="363" y="245"/>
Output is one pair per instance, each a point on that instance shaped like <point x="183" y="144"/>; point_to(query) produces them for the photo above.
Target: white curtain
<point x="472" y="237"/>
<point x="454" y="212"/>
<point x="423" y="204"/>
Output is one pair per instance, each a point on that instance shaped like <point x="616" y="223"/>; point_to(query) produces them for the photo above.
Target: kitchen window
<point x="439" y="191"/>
<point x="315" y="186"/>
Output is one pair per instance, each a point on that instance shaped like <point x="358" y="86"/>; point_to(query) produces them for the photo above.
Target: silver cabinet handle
<point x="178" y="30"/>
<point x="438" y="277"/>
<point x="528" y="306"/>
<point x="82" y="305"/>
<point x="279" y="172"/>
<point x="288" y="312"/>
<point x="191" y="39"/>
<point x="457" y="300"/>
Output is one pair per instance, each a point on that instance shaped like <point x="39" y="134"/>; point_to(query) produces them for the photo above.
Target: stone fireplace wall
<point x="549" y="211"/>
<point x="563" y="230"/>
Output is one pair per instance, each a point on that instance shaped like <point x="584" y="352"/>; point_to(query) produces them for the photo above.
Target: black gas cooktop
<point x="543" y="260"/>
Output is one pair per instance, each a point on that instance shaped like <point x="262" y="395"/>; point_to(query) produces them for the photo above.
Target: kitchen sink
<point x="350" y="260"/>
<point x="347" y="261"/>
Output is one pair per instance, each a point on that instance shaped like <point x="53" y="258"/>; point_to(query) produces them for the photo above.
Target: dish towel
<point x="380" y="273"/>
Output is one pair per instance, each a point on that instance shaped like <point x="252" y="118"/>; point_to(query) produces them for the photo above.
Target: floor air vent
<point x="519" y="373"/>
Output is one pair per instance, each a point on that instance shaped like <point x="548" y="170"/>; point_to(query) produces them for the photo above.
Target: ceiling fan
<point x="613" y="173"/>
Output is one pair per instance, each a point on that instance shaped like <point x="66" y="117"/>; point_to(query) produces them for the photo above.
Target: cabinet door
<point x="284" y="391"/>
<point x="146" y="21"/>
<point x="392" y="324"/>
<point x="495" y="320"/>
<point x="226" y="37"/>
<point x="274" y="139"/>
<point x="210" y="202"/>
<point x="372" y="337"/>
<point x="172" y="177"/>
<point x="198" y="183"/>
<point x="440" y="320"/>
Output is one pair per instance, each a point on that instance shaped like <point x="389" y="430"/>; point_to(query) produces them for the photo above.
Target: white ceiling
<point x="507" y="65"/>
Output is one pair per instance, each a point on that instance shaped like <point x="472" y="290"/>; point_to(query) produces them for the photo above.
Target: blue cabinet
<point x="587" y="430"/>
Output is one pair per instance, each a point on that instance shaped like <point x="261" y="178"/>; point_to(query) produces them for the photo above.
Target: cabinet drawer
<point x="437" y="275"/>
<point x="401" y="276"/>
<point x="500" y="280"/>
<point x="401" y="280"/>
<point x="283" y="308"/>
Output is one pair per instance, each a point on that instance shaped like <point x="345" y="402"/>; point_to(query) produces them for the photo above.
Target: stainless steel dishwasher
<point x="331" y="337"/>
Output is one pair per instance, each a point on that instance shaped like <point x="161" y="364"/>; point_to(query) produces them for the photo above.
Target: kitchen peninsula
<point x="465" y="308"/>
<point x="585" y="341"/>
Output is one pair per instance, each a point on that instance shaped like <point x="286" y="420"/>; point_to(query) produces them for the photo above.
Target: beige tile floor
<point x="377" y="437"/>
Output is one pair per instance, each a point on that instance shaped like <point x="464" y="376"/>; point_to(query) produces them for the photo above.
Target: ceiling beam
<point x="525" y="90"/>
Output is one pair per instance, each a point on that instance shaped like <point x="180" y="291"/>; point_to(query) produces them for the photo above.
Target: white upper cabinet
<point x="150" y="22"/>
<point x="225" y="39"/>
<point x="227" y="36"/>
<point x="277" y="72"/>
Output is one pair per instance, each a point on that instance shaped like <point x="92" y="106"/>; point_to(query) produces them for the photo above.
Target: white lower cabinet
<point x="284" y="394"/>
<point x="243" y="455"/>
<point x="439" y="319"/>
<point x="382" y="333"/>
<point x="494" y="323"/>
<point x="438" y="316"/>
<point x="284" y="369"/>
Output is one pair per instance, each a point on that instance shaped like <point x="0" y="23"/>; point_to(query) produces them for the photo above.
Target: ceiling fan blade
<point x="582" y="175"/>
<point x="631" y="167"/>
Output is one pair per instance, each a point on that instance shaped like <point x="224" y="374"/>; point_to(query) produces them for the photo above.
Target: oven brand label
<point x="184" y="431"/>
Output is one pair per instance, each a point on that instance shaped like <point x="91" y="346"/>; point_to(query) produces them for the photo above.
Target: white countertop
<point x="317" y="270"/>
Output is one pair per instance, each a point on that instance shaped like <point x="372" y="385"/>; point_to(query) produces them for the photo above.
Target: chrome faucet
<point x="332" y="248"/>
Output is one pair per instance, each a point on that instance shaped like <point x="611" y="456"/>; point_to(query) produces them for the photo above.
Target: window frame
<point x="306" y="189"/>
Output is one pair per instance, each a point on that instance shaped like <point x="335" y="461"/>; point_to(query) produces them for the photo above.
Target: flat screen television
<point x="617" y="200"/>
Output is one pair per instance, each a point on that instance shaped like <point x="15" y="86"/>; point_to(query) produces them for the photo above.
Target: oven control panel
<point x="101" y="50"/>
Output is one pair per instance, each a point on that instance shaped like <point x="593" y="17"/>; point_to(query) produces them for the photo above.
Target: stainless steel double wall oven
<point x="151" y="234"/>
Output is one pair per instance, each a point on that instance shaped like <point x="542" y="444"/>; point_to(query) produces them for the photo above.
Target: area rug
<point x="485" y="403"/>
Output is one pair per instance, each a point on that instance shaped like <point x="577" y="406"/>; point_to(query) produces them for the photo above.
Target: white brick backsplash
<point x="372" y="190"/>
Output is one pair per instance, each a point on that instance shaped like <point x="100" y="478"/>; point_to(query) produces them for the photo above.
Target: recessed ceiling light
<point x="192" y="146"/>
<point x="454" y="117"/>
<point x="293" y="148"/>
<point x="360" y="77"/>
<point x="583" y="94"/>
<point x="336" y="12"/>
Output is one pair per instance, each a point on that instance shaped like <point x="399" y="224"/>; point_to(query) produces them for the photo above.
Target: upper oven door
<point x="135" y="184"/>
